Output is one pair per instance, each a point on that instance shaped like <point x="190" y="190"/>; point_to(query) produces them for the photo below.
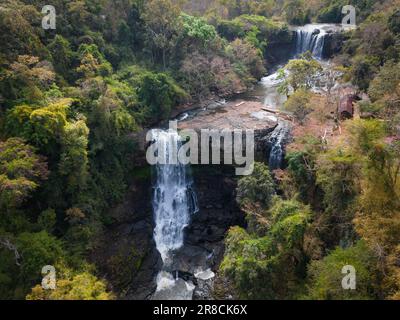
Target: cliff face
<point x="126" y="255"/>
<point x="333" y="44"/>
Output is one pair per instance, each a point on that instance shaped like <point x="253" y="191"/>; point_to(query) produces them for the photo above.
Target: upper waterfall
<point x="312" y="37"/>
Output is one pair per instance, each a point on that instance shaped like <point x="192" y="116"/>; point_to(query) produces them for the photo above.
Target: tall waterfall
<point x="173" y="197"/>
<point x="276" y="145"/>
<point x="311" y="38"/>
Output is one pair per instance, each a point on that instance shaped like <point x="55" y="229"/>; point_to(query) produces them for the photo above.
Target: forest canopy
<point x="72" y="100"/>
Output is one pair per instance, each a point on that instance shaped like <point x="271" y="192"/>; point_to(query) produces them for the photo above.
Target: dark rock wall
<point x="126" y="254"/>
<point x="333" y="44"/>
<point x="216" y="191"/>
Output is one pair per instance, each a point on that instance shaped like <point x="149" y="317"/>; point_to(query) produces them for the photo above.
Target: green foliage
<point x="19" y="36"/>
<point x="162" y="27"/>
<point x="37" y="250"/>
<point x="302" y="168"/>
<point x="159" y="93"/>
<point x="43" y="127"/>
<point x="198" y="28"/>
<point x="257" y="187"/>
<point x="331" y="11"/>
<point x="363" y="71"/>
<point x="77" y="95"/>
<point x="385" y="82"/>
<point x="47" y="220"/>
<point x="72" y="285"/>
<point x="298" y="74"/>
<point x="74" y="158"/>
<point x="246" y="60"/>
<point x="299" y="104"/>
<point x="93" y="62"/>
<point x="25" y="79"/>
<point x="394" y="22"/>
<point x="295" y="12"/>
<point x="338" y="177"/>
<point x="253" y="263"/>
<point x="325" y="282"/>
<point x="258" y="30"/>
<point x="240" y="7"/>
<point x="21" y="171"/>
<point x="63" y="56"/>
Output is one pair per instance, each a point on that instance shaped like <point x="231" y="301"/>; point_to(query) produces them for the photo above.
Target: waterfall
<point x="311" y="37"/>
<point x="174" y="199"/>
<point x="310" y="41"/>
<point x="276" y="145"/>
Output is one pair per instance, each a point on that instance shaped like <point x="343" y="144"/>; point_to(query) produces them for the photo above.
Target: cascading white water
<point x="173" y="197"/>
<point x="307" y="41"/>
<point x="276" y="143"/>
<point x="174" y="201"/>
<point x="311" y="37"/>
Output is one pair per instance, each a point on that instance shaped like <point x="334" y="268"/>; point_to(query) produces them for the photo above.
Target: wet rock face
<point x="127" y="256"/>
<point x="203" y="249"/>
<point x="215" y="187"/>
<point x="333" y="44"/>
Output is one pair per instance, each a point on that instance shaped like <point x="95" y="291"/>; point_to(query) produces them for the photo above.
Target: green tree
<point x="247" y="61"/>
<point x="21" y="171"/>
<point x="63" y="56"/>
<point x="92" y="62"/>
<point x="198" y="29"/>
<point x="47" y="220"/>
<point x="298" y="74"/>
<point x="162" y="25"/>
<point x="268" y="267"/>
<point x="394" y="22"/>
<point x="363" y="69"/>
<point x="338" y="173"/>
<point x="37" y="250"/>
<point x="159" y="93"/>
<point x="295" y="12"/>
<point x="27" y="78"/>
<point x="299" y="104"/>
<point x="378" y="211"/>
<point x="42" y="127"/>
<point x="325" y="276"/>
<point x="258" y="187"/>
<point x="72" y="285"/>
<point x="386" y="81"/>
<point x="74" y="158"/>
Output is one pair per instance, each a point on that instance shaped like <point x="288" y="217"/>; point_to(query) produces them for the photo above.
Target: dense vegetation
<point x="338" y="200"/>
<point x="71" y="98"/>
